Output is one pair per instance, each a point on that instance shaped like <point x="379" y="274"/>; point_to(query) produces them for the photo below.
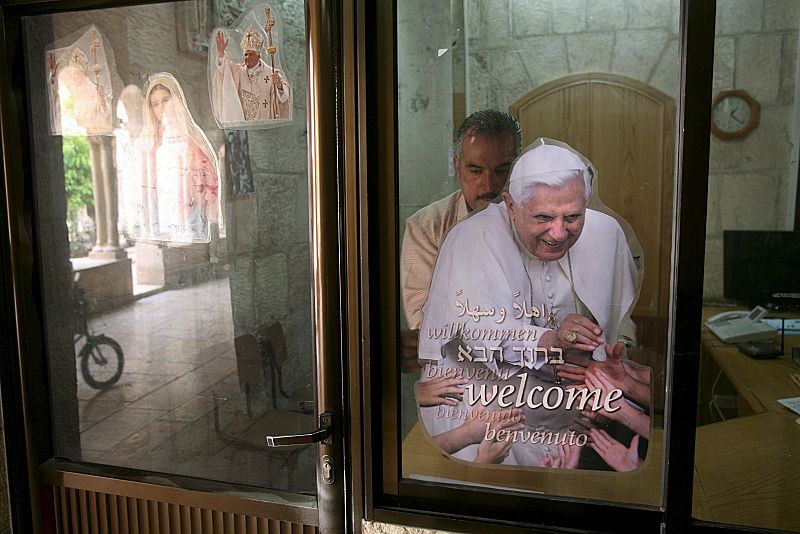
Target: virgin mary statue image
<point x="181" y="172"/>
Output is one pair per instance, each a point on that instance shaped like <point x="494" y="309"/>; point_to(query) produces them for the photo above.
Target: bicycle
<point x="102" y="359"/>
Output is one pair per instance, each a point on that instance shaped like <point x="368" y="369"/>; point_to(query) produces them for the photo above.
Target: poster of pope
<point x="248" y="87"/>
<point x="527" y="325"/>
<point x="82" y="79"/>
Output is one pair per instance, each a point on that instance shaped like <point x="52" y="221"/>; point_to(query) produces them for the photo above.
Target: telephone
<point x="741" y="326"/>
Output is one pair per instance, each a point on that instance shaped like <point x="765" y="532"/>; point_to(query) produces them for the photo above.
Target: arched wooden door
<point x="626" y="128"/>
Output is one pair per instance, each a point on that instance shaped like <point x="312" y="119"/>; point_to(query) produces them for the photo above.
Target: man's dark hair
<point x="491" y="123"/>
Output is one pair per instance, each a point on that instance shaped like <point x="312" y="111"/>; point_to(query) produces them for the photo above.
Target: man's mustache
<point x="490" y="195"/>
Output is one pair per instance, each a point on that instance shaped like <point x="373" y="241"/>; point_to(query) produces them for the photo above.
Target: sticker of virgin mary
<point x="180" y="179"/>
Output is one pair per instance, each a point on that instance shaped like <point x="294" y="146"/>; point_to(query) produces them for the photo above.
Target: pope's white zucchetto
<point x="548" y="162"/>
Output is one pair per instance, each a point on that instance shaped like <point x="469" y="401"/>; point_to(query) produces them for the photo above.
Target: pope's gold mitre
<point x="252" y="40"/>
<point x="79" y="59"/>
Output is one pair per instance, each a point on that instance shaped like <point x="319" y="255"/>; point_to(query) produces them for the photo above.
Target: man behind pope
<point x="244" y="91"/>
<point x="541" y="249"/>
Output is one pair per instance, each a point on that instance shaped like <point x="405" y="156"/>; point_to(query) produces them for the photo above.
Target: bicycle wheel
<point x="101" y="362"/>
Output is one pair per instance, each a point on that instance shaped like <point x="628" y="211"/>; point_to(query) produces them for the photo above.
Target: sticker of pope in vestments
<point x="82" y="79"/>
<point x="251" y="90"/>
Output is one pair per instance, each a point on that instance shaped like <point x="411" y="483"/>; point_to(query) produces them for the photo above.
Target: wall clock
<point x="733" y="114"/>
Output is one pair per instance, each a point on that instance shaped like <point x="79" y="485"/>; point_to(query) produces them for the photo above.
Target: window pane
<point x="174" y="253"/>
<point x="747" y="440"/>
<point x="489" y="305"/>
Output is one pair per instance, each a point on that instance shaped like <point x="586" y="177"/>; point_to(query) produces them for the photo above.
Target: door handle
<point x="321" y="435"/>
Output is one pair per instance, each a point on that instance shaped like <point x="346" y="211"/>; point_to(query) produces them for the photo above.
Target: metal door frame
<point x="31" y="467"/>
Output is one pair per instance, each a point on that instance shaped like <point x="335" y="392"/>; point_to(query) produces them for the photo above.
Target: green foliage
<point x="78" y="190"/>
<point x="77" y="175"/>
<point x="69" y="106"/>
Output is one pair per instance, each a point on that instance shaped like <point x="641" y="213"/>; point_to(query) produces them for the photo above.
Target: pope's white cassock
<point x="482" y="261"/>
<point x="244" y="93"/>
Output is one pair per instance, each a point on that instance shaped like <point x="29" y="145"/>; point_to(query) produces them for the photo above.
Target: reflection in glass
<point x="83" y="82"/>
<point x="602" y="77"/>
<point x="81" y="85"/>
<point x="747" y="441"/>
<point x="180" y="194"/>
<point x="256" y="91"/>
<point x="214" y="326"/>
<point x="543" y="287"/>
<point x="237" y="163"/>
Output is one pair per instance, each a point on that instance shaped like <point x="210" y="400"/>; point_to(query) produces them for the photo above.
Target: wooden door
<point x="626" y="128"/>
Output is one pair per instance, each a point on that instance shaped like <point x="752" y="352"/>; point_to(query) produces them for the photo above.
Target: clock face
<point x="732" y="114"/>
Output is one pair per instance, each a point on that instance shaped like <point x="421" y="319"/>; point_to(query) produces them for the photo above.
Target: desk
<point x="759" y="383"/>
<point x="747" y="469"/>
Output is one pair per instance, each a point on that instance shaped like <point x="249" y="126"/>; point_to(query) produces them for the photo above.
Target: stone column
<point x="104" y="185"/>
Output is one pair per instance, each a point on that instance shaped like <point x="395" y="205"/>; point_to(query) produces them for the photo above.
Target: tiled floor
<point x="179" y="363"/>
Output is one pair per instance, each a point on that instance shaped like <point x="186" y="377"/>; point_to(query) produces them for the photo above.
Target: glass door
<point x="181" y="233"/>
<point x="747" y="399"/>
<point x="518" y="381"/>
<point x="509" y="325"/>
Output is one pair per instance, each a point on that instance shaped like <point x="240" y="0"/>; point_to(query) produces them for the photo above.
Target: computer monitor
<point x="760" y="264"/>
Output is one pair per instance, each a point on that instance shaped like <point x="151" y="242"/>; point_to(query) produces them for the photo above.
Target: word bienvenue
<point x="436" y="371"/>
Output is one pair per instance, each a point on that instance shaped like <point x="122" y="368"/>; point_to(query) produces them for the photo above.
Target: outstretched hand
<point x="510" y="420"/>
<point x="51" y="59"/>
<point x="492" y="452"/>
<point x="568" y="457"/>
<point x="474" y="431"/>
<point x="440" y="391"/>
<point x="575" y="367"/>
<point x="222" y="44"/>
<point x="615" y="454"/>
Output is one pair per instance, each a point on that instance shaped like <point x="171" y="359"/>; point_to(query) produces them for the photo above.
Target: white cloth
<point x="480" y="258"/>
<point x="551" y="283"/>
<point x="244" y="94"/>
<point x="481" y="262"/>
<point x="91" y="108"/>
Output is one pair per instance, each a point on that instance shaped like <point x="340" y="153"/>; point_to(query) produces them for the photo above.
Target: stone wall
<point x="425" y="50"/>
<point x="749" y="180"/>
<point x="513" y="46"/>
<point x="265" y="250"/>
<point x="503" y="49"/>
<point x="517" y="45"/>
<point x="265" y="253"/>
<point x="269" y="260"/>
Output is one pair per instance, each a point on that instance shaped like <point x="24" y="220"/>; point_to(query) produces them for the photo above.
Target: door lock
<point x="321" y="435"/>
<point x="327" y="469"/>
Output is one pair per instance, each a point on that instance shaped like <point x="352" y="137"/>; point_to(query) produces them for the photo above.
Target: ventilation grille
<point x="89" y="512"/>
